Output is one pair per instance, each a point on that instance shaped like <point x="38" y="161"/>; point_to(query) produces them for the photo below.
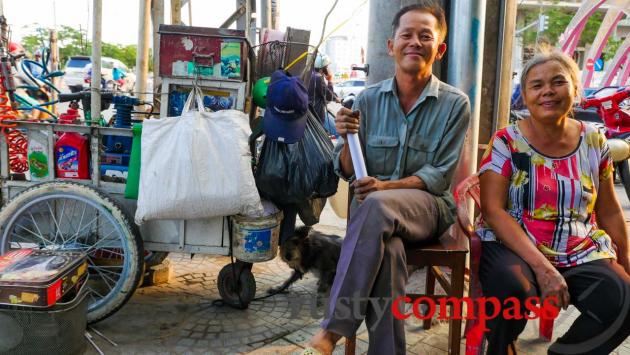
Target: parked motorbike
<point x="614" y="110"/>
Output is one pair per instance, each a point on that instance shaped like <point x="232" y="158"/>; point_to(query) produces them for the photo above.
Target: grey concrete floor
<point x="179" y="318"/>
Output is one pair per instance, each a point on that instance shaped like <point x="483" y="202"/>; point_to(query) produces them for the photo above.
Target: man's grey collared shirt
<point x="425" y="142"/>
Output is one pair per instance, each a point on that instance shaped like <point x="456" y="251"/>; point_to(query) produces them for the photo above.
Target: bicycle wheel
<point x="75" y="217"/>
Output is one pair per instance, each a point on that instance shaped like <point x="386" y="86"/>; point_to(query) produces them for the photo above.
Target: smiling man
<point x="412" y="127"/>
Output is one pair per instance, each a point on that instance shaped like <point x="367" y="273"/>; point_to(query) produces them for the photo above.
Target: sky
<point x="120" y="17"/>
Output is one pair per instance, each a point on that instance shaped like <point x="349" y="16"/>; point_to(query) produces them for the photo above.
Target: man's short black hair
<point x="428" y="6"/>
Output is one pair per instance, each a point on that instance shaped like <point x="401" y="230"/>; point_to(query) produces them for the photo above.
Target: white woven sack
<point x="197" y="165"/>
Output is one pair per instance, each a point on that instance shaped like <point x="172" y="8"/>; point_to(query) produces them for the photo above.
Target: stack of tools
<point x="43" y="306"/>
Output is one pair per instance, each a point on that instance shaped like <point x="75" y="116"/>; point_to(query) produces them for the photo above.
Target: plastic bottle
<point x="72" y="156"/>
<point x="38" y="154"/>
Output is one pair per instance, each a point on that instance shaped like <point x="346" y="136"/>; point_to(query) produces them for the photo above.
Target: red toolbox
<point x="39" y="278"/>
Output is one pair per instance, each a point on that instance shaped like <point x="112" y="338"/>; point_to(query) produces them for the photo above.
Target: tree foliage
<point x="559" y="19"/>
<point x="72" y="41"/>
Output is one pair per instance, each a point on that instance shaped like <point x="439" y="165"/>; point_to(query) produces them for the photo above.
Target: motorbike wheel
<point x="624" y="174"/>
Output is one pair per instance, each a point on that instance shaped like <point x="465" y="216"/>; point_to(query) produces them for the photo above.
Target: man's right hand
<point x="346" y="121"/>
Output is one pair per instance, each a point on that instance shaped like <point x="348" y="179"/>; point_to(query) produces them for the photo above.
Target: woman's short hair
<point x="546" y="54"/>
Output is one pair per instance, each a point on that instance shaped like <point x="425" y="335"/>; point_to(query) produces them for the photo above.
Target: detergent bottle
<point x="72" y="156"/>
<point x="38" y="154"/>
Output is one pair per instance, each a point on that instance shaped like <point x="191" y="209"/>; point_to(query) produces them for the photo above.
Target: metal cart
<point x="92" y="216"/>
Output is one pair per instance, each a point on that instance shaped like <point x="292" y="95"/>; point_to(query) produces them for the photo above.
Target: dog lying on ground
<point x="311" y="251"/>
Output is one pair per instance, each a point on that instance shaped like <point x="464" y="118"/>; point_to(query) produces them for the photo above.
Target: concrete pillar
<point x="157" y="18"/>
<point x="379" y="30"/>
<point x="142" y="56"/>
<point x="496" y="87"/>
<point x="465" y="64"/>
<point x="503" y="86"/>
<point x="95" y="86"/>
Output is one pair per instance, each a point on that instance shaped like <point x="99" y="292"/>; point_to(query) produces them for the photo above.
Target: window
<point x="75" y="62"/>
<point x="106" y="64"/>
<point x="359" y="83"/>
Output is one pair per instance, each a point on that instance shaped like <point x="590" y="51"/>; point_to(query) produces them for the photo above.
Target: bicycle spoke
<point x="99" y="242"/>
<point x="35" y="222"/>
<point x="61" y="220"/>
<point x="33" y="233"/>
<point x="24" y="239"/>
<point x="105" y="278"/>
<point x="95" y="292"/>
<point x="57" y="228"/>
<point x="76" y="235"/>
<point x="80" y="222"/>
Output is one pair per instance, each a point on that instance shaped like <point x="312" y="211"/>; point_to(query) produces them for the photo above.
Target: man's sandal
<point x="310" y="351"/>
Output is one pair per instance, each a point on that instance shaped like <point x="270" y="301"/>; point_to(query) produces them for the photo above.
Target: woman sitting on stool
<point x="551" y="218"/>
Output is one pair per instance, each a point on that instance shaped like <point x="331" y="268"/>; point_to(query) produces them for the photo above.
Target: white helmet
<point x="322" y="61"/>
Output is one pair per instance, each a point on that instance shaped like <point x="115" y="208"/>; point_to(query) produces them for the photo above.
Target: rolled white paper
<point x="356" y="153"/>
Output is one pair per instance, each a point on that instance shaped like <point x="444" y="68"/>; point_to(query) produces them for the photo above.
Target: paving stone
<point x="425" y="349"/>
<point x="202" y="343"/>
<point x="361" y="347"/>
<point x="299" y="337"/>
<point x="200" y="328"/>
<point x="186" y="342"/>
<point x="436" y="341"/>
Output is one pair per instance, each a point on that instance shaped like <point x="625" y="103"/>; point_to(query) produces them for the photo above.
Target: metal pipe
<point x="95" y="86"/>
<point x="54" y="65"/>
<point x="265" y="13"/>
<point x="275" y="14"/>
<point x="503" y="85"/>
<point x="176" y="12"/>
<point x="242" y="21"/>
<point x="142" y="57"/>
<point x="465" y="66"/>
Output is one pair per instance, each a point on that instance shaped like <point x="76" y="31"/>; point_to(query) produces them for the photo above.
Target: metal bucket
<point x="255" y="239"/>
<point x="59" y="329"/>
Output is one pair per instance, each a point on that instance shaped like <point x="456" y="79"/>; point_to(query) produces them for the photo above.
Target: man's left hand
<point x="363" y="187"/>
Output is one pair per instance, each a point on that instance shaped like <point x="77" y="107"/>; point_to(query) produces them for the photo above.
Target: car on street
<point x="75" y="70"/>
<point x="126" y="83"/>
<point x="350" y="87"/>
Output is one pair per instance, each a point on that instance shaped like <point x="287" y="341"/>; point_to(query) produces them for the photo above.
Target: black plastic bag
<point x="310" y="210"/>
<point x="299" y="172"/>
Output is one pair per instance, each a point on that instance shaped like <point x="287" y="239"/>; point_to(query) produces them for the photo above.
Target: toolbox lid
<point x="36" y="267"/>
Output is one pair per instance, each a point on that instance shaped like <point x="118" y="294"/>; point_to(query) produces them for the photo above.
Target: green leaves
<point x="74" y="41"/>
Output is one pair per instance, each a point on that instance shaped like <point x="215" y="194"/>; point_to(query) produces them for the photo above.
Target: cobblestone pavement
<point x="179" y="317"/>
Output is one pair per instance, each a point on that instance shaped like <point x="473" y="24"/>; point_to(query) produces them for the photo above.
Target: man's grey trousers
<point x="373" y="265"/>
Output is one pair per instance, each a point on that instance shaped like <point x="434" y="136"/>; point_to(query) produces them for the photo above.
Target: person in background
<point x="552" y="225"/>
<point x="320" y="88"/>
<point x="118" y="75"/>
<point x="516" y="102"/>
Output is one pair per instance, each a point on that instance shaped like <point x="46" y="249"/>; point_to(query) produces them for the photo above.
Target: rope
<point x="16" y="141"/>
